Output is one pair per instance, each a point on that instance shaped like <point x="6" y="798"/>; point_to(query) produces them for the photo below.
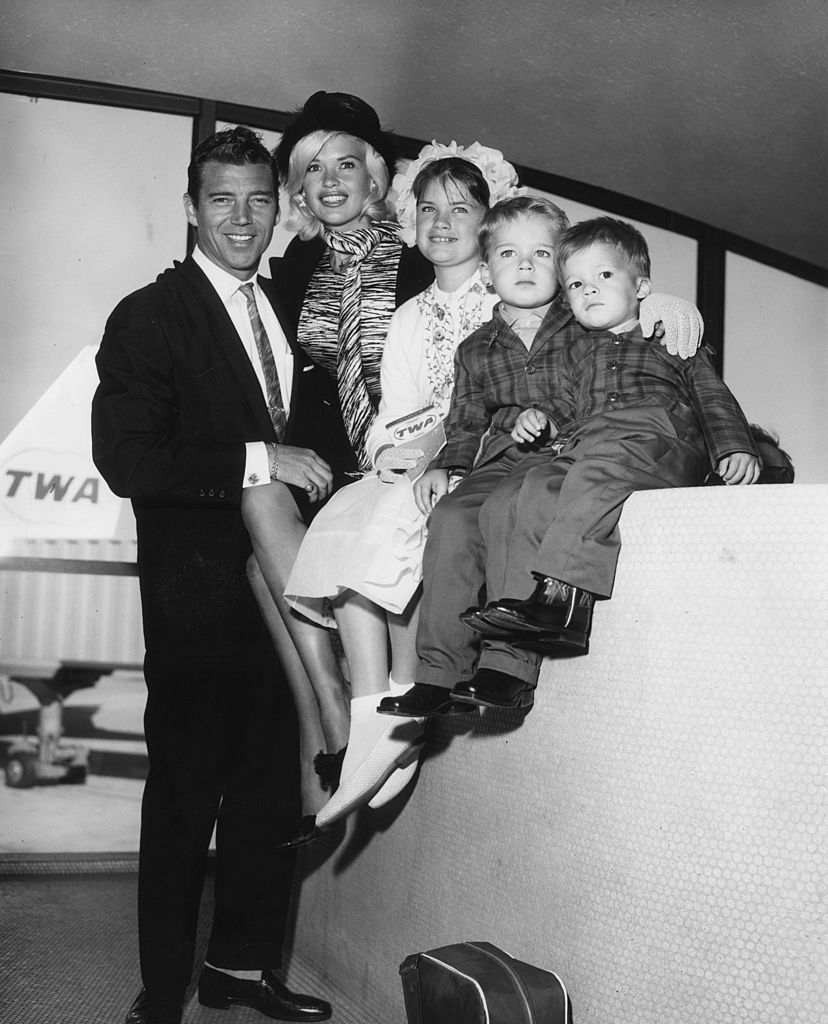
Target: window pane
<point x="775" y="358"/>
<point x="96" y="213"/>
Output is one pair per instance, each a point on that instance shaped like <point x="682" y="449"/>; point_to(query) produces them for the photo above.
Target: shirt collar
<point x="224" y="283"/>
<point x="557" y="315"/>
<point x="626" y="327"/>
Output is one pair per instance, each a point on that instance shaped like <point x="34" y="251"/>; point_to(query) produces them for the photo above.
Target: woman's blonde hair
<point x="298" y="217"/>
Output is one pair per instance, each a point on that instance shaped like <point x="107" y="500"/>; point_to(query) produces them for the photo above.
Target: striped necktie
<point x="275" y="405"/>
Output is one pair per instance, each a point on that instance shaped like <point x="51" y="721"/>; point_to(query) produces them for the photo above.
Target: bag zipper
<point x="517" y="981"/>
<point x="468" y="977"/>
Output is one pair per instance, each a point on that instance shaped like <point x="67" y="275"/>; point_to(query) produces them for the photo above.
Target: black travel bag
<point x="477" y="983"/>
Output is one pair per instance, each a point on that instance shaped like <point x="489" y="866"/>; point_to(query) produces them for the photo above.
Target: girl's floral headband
<point x="500" y="176"/>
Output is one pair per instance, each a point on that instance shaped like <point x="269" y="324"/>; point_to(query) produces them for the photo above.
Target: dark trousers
<point x="223" y="750"/>
<point x="563" y="519"/>
<point x="455" y="564"/>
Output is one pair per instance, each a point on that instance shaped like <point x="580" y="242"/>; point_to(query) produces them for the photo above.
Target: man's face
<point x="602" y="288"/>
<point x="235" y="216"/>
<point x="520" y="265"/>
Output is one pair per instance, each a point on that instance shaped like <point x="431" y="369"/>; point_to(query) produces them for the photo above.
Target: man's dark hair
<point x="229" y="146"/>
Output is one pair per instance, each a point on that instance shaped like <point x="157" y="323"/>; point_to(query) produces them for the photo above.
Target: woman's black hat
<point x="336" y="112"/>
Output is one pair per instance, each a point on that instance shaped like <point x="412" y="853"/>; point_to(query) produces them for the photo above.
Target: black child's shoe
<point x="422" y="700"/>
<point x="492" y="689"/>
<point x="554" y="614"/>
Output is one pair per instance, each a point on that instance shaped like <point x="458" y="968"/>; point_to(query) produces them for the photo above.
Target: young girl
<point x="362" y="556"/>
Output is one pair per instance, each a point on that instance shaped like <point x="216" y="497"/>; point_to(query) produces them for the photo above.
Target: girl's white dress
<point x="370" y="536"/>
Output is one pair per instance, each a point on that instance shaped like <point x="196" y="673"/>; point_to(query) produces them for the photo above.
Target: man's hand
<point x="303" y="468"/>
<point x="739" y="468"/>
<point x="430" y="487"/>
<point x="677" y="324"/>
<point x="392" y="461"/>
<point x="530" y="424"/>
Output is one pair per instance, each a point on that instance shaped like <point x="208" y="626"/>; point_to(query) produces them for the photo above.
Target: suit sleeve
<point x="723" y="423"/>
<point x="146" y="444"/>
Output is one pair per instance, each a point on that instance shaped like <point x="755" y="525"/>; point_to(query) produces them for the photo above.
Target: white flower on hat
<point x="500" y="175"/>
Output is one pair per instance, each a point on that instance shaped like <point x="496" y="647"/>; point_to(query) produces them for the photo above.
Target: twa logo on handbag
<point x="422" y="431"/>
<point x="477" y="983"/>
<point x="413" y="425"/>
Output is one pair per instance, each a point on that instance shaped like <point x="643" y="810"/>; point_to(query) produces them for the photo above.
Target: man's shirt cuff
<point x="256" y="465"/>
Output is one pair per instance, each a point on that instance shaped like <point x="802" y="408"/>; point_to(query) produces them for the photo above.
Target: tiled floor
<point x="69" y="953"/>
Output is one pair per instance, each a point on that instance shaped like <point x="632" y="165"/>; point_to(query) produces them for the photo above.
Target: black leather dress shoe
<point x="492" y="689"/>
<point x="149" y="1009"/>
<point x="269" y="996"/>
<point x="306" y="831"/>
<point x="423" y="700"/>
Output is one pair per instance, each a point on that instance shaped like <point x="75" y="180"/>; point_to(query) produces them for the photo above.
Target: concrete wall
<point x="654" y="831"/>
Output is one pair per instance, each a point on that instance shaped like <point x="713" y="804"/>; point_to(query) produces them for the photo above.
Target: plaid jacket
<point x="572" y="374"/>
<point x="495" y="379"/>
<point x="603" y="371"/>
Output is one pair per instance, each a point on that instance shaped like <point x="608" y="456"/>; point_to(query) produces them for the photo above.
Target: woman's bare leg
<point x="277" y="530"/>
<point x="402" y="630"/>
<point x="311" y="735"/>
<point x="378" y="745"/>
<point x="364" y="635"/>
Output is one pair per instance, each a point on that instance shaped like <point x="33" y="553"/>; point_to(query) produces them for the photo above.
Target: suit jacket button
<point x="221" y="494"/>
<point x="211" y="493"/>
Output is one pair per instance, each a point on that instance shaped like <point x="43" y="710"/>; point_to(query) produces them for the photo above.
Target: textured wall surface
<point x="654" y="831"/>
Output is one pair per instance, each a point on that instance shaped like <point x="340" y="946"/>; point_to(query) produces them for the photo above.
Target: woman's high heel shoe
<point x="397" y="747"/>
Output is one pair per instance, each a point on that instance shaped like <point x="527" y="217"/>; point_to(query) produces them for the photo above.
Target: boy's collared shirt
<point x="496" y="378"/>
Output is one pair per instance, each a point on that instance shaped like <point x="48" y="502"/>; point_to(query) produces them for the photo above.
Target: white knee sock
<point x="366" y="728"/>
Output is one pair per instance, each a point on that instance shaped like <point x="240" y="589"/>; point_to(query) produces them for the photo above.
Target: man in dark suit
<point x="202" y="393"/>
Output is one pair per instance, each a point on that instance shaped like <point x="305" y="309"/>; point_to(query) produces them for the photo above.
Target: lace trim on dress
<point x="449" y="317"/>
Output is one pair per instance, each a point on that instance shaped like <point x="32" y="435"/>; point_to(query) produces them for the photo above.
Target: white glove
<point x="393" y="461"/>
<point x="682" y="323"/>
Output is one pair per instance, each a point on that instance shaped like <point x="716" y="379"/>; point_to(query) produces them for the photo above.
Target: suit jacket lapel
<point x="217" y="321"/>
